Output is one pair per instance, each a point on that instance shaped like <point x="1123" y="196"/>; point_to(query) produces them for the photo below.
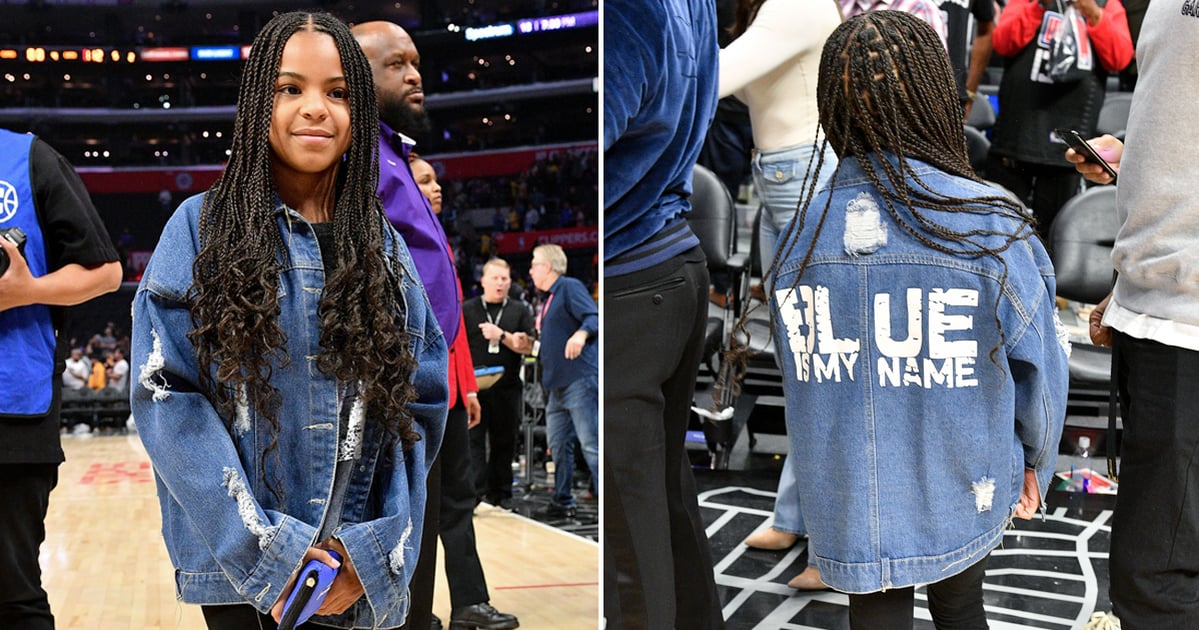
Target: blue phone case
<point x="309" y="591"/>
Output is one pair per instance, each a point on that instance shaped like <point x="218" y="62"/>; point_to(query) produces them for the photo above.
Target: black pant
<point x="501" y="417"/>
<point x="657" y="563"/>
<point x="1154" y="559"/>
<point x="1044" y="189"/>
<point x="243" y="617"/>
<point x="956" y="603"/>
<point x="26" y="491"/>
<point x="452" y="497"/>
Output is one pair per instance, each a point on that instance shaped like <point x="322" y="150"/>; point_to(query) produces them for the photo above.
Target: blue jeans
<point x="779" y="179"/>
<point x="570" y="412"/>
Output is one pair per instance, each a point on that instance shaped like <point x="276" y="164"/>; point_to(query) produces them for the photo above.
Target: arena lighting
<point x="215" y="53"/>
<point x="165" y="54"/>
<point x="493" y="31"/>
<point x="8" y="53"/>
<point x="558" y="22"/>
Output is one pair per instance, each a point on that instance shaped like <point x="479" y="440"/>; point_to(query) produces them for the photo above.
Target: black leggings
<point x="956" y="603"/>
<point x="243" y="617"/>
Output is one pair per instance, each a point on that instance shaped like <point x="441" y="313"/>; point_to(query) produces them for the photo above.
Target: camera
<point x="16" y="236"/>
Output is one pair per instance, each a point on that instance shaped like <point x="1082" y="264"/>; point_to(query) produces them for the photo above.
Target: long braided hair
<point x="886" y="88"/>
<point x="235" y="303"/>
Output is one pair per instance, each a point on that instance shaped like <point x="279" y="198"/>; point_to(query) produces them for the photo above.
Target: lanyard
<point x="499" y="316"/>
<point x="544" y="307"/>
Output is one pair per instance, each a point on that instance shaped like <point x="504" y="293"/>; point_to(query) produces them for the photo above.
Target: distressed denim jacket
<point x="911" y="417"/>
<point x="230" y="538"/>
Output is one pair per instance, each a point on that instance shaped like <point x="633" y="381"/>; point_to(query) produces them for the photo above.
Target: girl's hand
<point x="347" y="587"/>
<point x="1030" y="497"/>
<point x="313" y="553"/>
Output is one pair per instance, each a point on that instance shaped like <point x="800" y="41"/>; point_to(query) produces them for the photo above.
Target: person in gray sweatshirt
<point x="1152" y="320"/>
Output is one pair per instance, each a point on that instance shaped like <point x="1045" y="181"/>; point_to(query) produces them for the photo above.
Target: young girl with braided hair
<point x="291" y="390"/>
<point x="924" y="370"/>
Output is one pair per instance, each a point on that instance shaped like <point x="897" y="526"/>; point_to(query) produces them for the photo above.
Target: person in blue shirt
<point x="291" y="388"/>
<point x="67" y="258"/>
<point x="568" y="324"/>
<point x="924" y="366"/>
<point x="660" y="81"/>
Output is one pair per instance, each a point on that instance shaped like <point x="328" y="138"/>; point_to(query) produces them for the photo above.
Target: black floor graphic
<point x="1048" y="573"/>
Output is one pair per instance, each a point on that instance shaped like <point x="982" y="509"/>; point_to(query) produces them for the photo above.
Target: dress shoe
<point x="809" y="580"/>
<point x="435" y="623"/>
<point x="771" y="539"/>
<point x="481" y="616"/>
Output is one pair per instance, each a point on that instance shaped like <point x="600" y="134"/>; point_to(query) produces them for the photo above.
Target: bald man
<point x="395" y="65"/>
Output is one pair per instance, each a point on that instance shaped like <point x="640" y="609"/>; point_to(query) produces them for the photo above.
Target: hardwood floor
<point x="105" y="566"/>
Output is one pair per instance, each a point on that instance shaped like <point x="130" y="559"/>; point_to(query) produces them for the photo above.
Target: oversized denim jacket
<point x="911" y="418"/>
<point x="229" y="537"/>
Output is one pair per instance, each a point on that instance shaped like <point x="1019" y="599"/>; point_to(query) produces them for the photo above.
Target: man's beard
<point x="404" y="117"/>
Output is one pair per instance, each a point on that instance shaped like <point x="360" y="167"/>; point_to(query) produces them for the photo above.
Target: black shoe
<point x="554" y="510"/>
<point x="435" y="623"/>
<point x="482" y="616"/>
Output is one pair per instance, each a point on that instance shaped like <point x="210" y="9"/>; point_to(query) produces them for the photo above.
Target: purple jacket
<point x="413" y="217"/>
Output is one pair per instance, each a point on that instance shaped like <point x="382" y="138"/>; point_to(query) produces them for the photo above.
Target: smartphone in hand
<point x="312" y="585"/>
<point x="1075" y="141"/>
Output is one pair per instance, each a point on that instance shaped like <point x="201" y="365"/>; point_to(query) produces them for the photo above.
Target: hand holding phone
<point x="1080" y="146"/>
<point x="311" y="587"/>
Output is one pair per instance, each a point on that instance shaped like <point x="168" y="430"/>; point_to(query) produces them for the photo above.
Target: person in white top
<point x="772" y="66"/>
<point x="77" y="370"/>
<point x="1152" y="320"/>
<point x="118" y="371"/>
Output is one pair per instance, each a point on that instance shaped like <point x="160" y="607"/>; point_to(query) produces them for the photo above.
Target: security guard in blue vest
<point x="66" y="258"/>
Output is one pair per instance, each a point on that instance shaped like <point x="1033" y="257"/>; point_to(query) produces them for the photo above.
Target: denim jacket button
<point x="778" y="175"/>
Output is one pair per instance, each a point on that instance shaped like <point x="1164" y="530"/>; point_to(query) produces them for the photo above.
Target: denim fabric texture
<point x="779" y="180"/>
<point x="230" y="537"/>
<point x="920" y="385"/>
<point x="779" y="177"/>
<point x="572" y="411"/>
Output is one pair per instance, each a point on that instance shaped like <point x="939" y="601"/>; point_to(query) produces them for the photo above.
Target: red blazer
<point x="462" y="369"/>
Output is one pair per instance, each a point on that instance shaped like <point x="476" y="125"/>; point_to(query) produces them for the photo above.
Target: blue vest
<point x="26" y="333"/>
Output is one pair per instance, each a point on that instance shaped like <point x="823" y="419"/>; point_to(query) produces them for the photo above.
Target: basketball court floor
<point x="105" y="566"/>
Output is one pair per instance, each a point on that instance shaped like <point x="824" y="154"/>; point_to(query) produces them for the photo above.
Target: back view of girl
<point x="925" y="378"/>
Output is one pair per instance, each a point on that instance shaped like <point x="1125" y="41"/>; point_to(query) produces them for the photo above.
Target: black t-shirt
<point x="324" y="238"/>
<point x="74" y="234"/>
<point x="961" y="35"/>
<point x="514" y="316"/>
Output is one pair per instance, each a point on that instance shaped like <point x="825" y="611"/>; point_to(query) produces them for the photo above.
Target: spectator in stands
<point x="568" y="326"/>
<point x="772" y="66"/>
<point x="286" y="350"/>
<point x="905" y="220"/>
<point x="1026" y="157"/>
<point x="927" y="10"/>
<point x="969" y="44"/>
<point x="67" y="259"/>
<point x="657" y="107"/>
<point x="77" y="371"/>
<point x="1152" y="321"/>
<point x="105" y="341"/>
<point x="117" y="371"/>
<point x="99" y="377"/>
<point x="395" y="66"/>
<point x="500" y="330"/>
